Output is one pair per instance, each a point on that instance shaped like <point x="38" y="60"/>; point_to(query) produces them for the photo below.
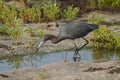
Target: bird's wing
<point x="74" y="30"/>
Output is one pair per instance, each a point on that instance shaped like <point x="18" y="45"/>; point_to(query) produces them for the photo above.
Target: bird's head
<point x="44" y="39"/>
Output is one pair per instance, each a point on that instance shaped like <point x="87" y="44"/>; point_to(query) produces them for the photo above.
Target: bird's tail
<point x="94" y="26"/>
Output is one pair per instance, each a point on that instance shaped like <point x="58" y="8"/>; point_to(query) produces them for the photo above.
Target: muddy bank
<point x="67" y="71"/>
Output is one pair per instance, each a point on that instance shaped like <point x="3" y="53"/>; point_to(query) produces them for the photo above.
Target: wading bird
<point x="71" y="30"/>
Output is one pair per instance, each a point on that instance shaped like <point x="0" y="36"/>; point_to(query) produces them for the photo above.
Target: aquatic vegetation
<point x="104" y="3"/>
<point x="45" y="11"/>
<point x="41" y="33"/>
<point x="7" y="15"/>
<point x="42" y="75"/>
<point x="30" y="14"/>
<point x="70" y="13"/>
<point x="32" y="43"/>
<point x="117" y="42"/>
<point x="105" y="38"/>
<point x="50" y="11"/>
<point x="92" y="3"/>
<point x="109" y="3"/>
<point x="30" y="31"/>
<point x="15" y="33"/>
<point x="3" y="31"/>
<point x="16" y="30"/>
<point x="95" y="18"/>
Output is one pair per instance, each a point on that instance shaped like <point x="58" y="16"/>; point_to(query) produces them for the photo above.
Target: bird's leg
<point x="76" y="54"/>
<point x="65" y="59"/>
<point x="64" y="56"/>
<point x="84" y="44"/>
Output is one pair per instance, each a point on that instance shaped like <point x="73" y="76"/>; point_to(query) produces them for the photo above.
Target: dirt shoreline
<point x="67" y="71"/>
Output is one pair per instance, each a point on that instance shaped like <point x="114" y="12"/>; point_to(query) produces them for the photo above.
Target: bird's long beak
<point x="40" y="45"/>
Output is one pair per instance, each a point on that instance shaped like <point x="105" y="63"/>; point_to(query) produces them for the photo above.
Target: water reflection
<point x="39" y="59"/>
<point x="99" y="55"/>
<point x="118" y="55"/>
<point x="34" y="57"/>
<point x="102" y="55"/>
<point x="16" y="62"/>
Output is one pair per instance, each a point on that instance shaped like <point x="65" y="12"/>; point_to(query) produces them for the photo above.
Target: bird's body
<point x="71" y="30"/>
<point x="75" y="30"/>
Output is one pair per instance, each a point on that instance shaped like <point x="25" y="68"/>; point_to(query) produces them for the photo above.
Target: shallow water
<point x="40" y="59"/>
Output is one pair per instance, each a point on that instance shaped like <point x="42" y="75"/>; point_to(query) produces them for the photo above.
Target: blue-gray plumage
<point x="71" y="30"/>
<point x="75" y="30"/>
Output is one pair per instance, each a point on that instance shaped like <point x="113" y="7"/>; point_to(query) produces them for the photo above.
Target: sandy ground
<point x="67" y="71"/>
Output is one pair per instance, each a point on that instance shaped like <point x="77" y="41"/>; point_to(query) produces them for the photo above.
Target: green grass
<point x="51" y="11"/>
<point x="109" y="3"/>
<point x="104" y="3"/>
<point x="14" y="31"/>
<point x="92" y="3"/>
<point x="7" y="15"/>
<point x="30" y="15"/>
<point x="95" y="18"/>
<point x="30" y="31"/>
<point x="70" y="13"/>
<point x="42" y="75"/>
<point x="105" y="38"/>
<point x="41" y="33"/>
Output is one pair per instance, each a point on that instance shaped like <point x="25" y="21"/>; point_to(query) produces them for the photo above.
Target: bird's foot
<point x="76" y="56"/>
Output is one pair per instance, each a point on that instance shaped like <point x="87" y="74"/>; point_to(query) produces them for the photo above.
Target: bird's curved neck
<point x="54" y="39"/>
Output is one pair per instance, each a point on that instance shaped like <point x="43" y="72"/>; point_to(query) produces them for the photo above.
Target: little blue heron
<point x="71" y="30"/>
